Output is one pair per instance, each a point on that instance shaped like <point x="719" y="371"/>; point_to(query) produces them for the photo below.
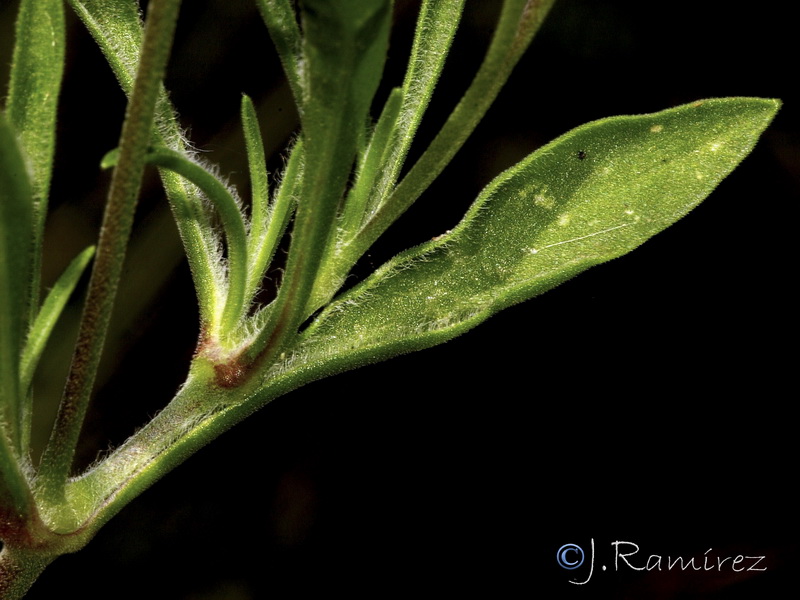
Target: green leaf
<point x="281" y="22"/>
<point x="116" y="27"/>
<point x="591" y="195"/>
<point x="280" y="212"/>
<point x="15" y="495"/>
<point x="376" y="194"/>
<point x="16" y="217"/>
<point x="259" y="194"/>
<point x="34" y="86"/>
<point x="257" y="162"/>
<point x="233" y="224"/>
<point x="519" y="21"/>
<point x="224" y="321"/>
<point x="372" y="165"/>
<point x="16" y="223"/>
<point x="49" y="313"/>
<point x="436" y="28"/>
<point x="344" y="48"/>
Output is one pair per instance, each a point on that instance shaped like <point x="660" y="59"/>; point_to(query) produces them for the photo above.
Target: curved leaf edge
<point x="312" y="358"/>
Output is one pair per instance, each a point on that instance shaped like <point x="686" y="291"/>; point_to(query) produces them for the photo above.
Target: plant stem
<point x="114" y="235"/>
<point x="18" y="571"/>
<point x="200" y="412"/>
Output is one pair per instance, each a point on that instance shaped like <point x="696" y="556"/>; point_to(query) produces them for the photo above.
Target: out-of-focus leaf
<point x="280" y="19"/>
<point x="36" y="71"/>
<point x="344" y="48"/>
<point x="35" y="83"/>
<point x="16" y="218"/>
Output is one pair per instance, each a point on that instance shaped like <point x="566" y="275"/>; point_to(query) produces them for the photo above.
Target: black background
<point x="648" y="400"/>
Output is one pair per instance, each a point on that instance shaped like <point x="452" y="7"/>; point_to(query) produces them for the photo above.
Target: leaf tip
<point x="110" y="159"/>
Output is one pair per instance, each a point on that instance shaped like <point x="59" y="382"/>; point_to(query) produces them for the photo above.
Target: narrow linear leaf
<point x="35" y="83"/>
<point x="16" y="218"/>
<point x="232" y="222"/>
<point x="118" y="30"/>
<point x="281" y="21"/>
<point x="116" y="26"/>
<point x="592" y="195"/>
<point x="257" y="163"/>
<point x="371" y="165"/>
<point x="260" y="212"/>
<point x="281" y="211"/>
<point x="15" y="494"/>
<point x="519" y="21"/>
<point x="49" y="314"/>
<point x="344" y="49"/>
<point x="436" y="28"/>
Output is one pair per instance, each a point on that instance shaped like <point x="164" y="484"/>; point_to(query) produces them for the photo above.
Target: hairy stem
<point x="114" y="235"/>
<point x="18" y="571"/>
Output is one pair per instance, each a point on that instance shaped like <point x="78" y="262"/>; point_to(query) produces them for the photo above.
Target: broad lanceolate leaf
<point x="16" y="218"/>
<point x="591" y="195"/>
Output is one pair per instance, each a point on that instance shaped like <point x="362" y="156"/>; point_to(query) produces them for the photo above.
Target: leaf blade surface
<point x="590" y="196"/>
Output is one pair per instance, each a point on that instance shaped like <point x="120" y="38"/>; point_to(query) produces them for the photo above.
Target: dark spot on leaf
<point x="581" y="154"/>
